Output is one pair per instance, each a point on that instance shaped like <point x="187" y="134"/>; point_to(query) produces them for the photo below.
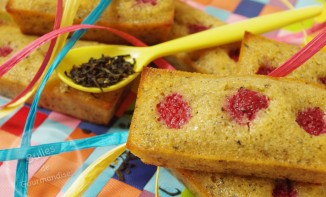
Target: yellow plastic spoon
<point x="205" y="39"/>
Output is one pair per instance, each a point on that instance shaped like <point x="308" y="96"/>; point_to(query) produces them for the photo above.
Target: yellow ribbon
<point x="68" y="16"/>
<point x="157" y="194"/>
<point x="15" y="105"/>
<point x="87" y="177"/>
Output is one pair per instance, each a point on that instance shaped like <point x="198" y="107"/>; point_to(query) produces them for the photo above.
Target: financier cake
<point x="219" y="60"/>
<point x="149" y="20"/>
<point x="254" y="59"/>
<point x="270" y="127"/>
<point x="208" y="184"/>
<point x="57" y="96"/>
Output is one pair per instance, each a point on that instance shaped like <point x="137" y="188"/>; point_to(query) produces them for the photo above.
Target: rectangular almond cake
<point x="57" y="95"/>
<point x="150" y="21"/>
<point x="250" y="125"/>
<point x="209" y="184"/>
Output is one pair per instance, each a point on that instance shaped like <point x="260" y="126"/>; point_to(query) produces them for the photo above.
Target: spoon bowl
<point x="81" y="55"/>
<point x="205" y="39"/>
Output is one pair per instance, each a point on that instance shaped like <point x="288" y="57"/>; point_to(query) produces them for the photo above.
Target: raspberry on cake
<point x="323" y="80"/>
<point x="234" y="54"/>
<point x="5" y="51"/>
<point x="275" y="145"/>
<point x="264" y="70"/>
<point x="195" y="28"/>
<point x="260" y="55"/>
<point x="174" y="111"/>
<point x="284" y="188"/>
<point x="312" y="120"/>
<point x="152" y="2"/>
<point x="244" y="105"/>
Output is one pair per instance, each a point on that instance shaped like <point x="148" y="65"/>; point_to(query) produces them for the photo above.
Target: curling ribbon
<point x="70" y="10"/>
<point x="42" y="150"/>
<point x="22" y="165"/>
<point x="92" y="171"/>
<point x="301" y="56"/>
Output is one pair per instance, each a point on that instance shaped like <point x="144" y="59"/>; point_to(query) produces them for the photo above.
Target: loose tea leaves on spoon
<point x="102" y="72"/>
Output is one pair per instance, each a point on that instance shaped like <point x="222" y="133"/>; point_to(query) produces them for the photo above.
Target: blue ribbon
<point x="45" y="150"/>
<point x="22" y="166"/>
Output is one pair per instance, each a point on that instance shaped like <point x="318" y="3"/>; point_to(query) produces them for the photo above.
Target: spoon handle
<point x="233" y="32"/>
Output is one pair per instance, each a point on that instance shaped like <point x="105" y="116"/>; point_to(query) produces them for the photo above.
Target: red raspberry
<point x="4" y="51"/>
<point x="153" y="2"/>
<point x="264" y="70"/>
<point x="244" y="105"/>
<point x="284" y="188"/>
<point x="234" y="54"/>
<point x="322" y="80"/>
<point x="194" y="28"/>
<point x="174" y="111"/>
<point x="312" y="120"/>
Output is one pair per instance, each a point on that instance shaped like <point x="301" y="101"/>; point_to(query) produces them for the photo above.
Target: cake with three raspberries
<point x="217" y="124"/>
<point x="148" y="20"/>
<point x="255" y="61"/>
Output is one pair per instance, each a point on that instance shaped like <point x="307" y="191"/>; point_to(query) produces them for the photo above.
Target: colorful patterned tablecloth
<point x="51" y="176"/>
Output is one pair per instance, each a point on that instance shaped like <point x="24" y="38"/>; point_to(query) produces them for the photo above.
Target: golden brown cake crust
<point x="283" y="152"/>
